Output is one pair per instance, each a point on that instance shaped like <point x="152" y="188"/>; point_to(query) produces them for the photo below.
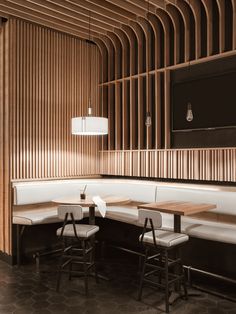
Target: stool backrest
<point x="149" y="215"/>
<point x="71" y="211"/>
<point x="149" y="219"/>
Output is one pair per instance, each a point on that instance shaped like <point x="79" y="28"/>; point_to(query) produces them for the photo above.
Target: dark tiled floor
<point x="23" y="291"/>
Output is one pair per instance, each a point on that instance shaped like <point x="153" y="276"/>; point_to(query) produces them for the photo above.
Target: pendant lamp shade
<point x="89" y="125"/>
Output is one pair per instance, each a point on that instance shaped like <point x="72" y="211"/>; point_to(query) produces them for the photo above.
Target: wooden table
<point x="110" y="200"/>
<point x="178" y="209"/>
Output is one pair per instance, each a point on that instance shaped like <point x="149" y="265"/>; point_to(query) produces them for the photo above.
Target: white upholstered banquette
<point x="215" y="228"/>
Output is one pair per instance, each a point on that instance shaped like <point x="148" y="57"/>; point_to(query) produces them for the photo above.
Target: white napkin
<point x="101" y="205"/>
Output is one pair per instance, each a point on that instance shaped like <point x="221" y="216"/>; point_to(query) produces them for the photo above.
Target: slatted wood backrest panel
<point x="44" y="83"/>
<point x="218" y="164"/>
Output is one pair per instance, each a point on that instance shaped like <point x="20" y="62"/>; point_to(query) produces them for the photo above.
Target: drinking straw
<point x="85" y="188"/>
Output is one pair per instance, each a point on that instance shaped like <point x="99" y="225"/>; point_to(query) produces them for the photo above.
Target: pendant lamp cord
<point x="148" y="113"/>
<point x="189" y="58"/>
<point x="90" y="65"/>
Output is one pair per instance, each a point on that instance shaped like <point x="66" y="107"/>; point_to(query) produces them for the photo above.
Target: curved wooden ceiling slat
<point x="196" y="10"/>
<point x="130" y="7"/>
<point x="166" y="26"/>
<point x="94" y="15"/>
<point x="37" y="6"/>
<point x="94" y="8"/>
<point x="67" y="13"/>
<point x="143" y="5"/>
<point x="103" y="52"/>
<point x="158" y="3"/>
<point x="221" y="8"/>
<point x="117" y="46"/>
<point x="108" y="8"/>
<point x="138" y="32"/>
<point x="125" y="48"/>
<point x="153" y="21"/>
<point x="132" y="39"/>
<point x="181" y="6"/>
<point x="208" y="9"/>
<point x="110" y="49"/>
<point x="175" y="18"/>
<point x="35" y="18"/>
<point x="234" y="23"/>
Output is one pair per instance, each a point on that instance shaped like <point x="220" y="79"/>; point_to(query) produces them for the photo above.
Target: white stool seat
<point x="83" y="231"/>
<point x="165" y="238"/>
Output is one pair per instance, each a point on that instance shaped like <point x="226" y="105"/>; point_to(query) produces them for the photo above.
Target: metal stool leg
<point x="85" y="267"/>
<point x="92" y="261"/>
<point x="166" y="282"/>
<point x="184" y="283"/>
<point x="59" y="274"/>
<point x="142" y="275"/>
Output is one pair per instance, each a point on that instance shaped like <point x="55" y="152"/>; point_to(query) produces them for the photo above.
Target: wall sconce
<point x="189" y="114"/>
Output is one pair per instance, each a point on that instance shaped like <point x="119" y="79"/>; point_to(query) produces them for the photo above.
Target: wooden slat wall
<point x="147" y="151"/>
<point x="50" y="87"/>
<point x="216" y="164"/>
<point x="43" y="84"/>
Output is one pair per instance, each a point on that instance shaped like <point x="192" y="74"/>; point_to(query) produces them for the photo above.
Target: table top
<point x="110" y="200"/>
<point x="178" y="207"/>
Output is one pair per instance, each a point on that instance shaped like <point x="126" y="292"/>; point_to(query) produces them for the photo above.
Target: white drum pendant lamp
<point x="89" y="125"/>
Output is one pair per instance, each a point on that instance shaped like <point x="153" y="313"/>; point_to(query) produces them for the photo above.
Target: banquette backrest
<point x="26" y="193"/>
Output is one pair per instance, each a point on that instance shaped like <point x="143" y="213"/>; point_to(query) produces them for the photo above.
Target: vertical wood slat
<point x="6" y="96"/>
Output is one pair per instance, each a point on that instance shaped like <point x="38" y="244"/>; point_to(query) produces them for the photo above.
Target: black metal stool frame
<point x="162" y="256"/>
<point x="84" y="255"/>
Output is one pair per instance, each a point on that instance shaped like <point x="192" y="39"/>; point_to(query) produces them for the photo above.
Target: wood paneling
<point x="218" y="164"/>
<point x="50" y="87"/>
<point x="178" y="35"/>
<point x="44" y="83"/>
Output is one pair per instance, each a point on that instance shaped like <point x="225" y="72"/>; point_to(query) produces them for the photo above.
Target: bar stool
<point x="158" y="244"/>
<point x="78" y="245"/>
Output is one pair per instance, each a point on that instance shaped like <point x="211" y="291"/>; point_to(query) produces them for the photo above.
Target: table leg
<point x="92" y="222"/>
<point x="19" y="233"/>
<point x="177" y="223"/>
<point x="92" y="215"/>
<point x="177" y="229"/>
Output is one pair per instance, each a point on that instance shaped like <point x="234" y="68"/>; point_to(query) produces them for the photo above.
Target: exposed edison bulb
<point x="148" y="121"/>
<point x="189" y="114"/>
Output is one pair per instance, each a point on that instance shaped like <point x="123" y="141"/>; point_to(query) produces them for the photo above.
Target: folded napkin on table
<point x="101" y="205"/>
